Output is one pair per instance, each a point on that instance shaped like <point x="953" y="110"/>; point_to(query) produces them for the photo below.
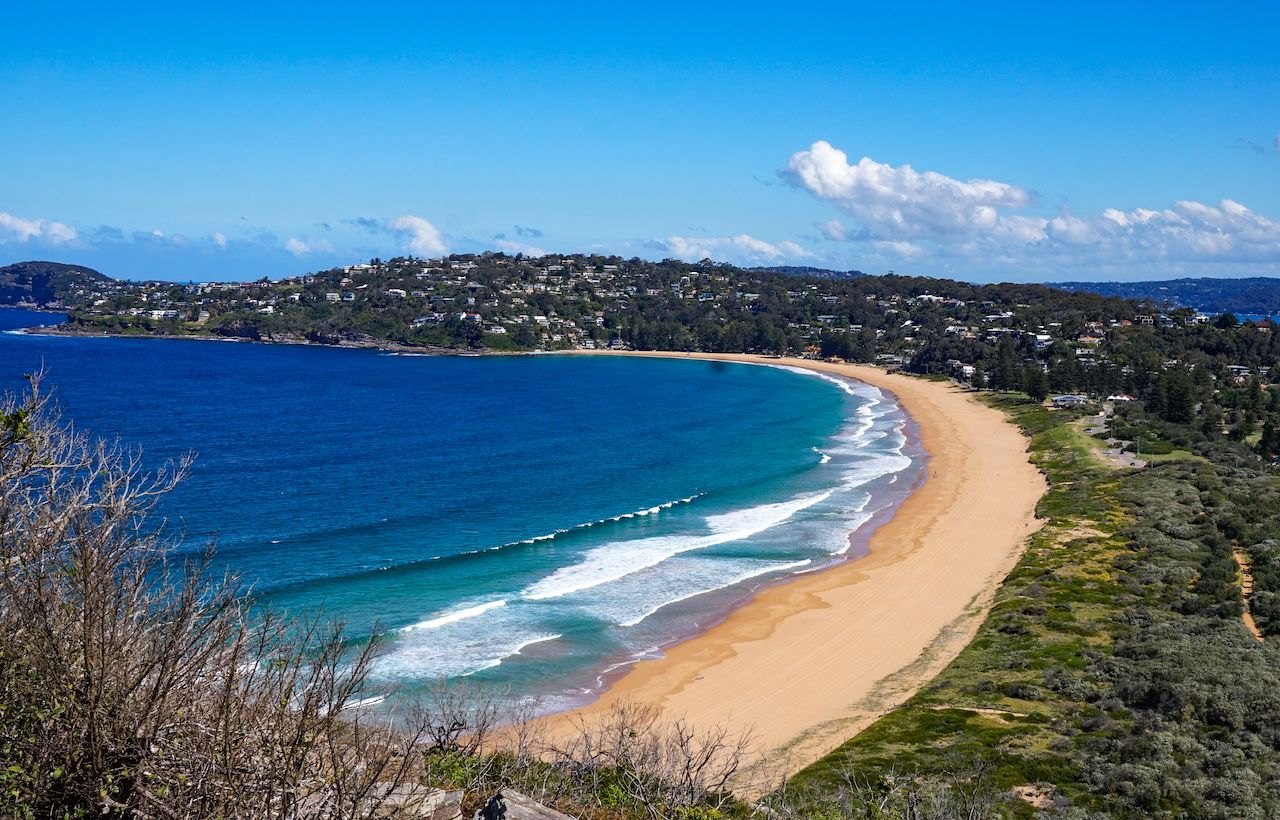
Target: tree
<point x="1005" y="374"/>
<point x="837" y="344"/>
<point x="1179" y="397"/>
<point x="1035" y="383"/>
<point x="1269" y="443"/>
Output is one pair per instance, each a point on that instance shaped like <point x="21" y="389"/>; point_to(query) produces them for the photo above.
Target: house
<point x="428" y="319"/>
<point x="1121" y="397"/>
<point x="331" y="297"/>
<point x="397" y="292"/>
<point x="1070" y="400"/>
<point x="1238" y="372"/>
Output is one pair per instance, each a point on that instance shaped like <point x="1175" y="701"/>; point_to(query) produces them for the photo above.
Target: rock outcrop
<point x="509" y="804"/>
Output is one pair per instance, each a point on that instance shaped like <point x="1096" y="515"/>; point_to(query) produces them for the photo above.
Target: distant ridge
<point x="804" y="270"/>
<point x="1256" y="295"/>
<point x="46" y="284"/>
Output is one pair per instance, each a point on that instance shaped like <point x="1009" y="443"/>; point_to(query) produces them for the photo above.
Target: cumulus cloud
<point x="834" y="230"/>
<point x="17" y="229"/>
<point x="901" y="201"/>
<point x="303" y="247"/>
<point x="511" y="246"/>
<point x="740" y="248"/>
<point x="219" y="239"/>
<point x="419" y="235"/>
<point x="905" y="213"/>
<point x="532" y="233"/>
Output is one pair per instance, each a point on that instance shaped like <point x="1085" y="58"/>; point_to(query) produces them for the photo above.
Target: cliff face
<point x="45" y="283"/>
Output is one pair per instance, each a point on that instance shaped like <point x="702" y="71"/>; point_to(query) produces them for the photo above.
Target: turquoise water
<point x="526" y="522"/>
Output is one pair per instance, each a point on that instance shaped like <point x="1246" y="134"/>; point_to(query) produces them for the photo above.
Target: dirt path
<point x="1246" y="590"/>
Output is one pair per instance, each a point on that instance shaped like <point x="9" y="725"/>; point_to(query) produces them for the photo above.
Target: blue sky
<point x="984" y="142"/>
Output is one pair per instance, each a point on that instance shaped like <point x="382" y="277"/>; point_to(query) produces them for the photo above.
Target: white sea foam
<point x="728" y="582"/>
<point x="364" y="702"/>
<point x="868" y="470"/>
<point x="532" y="641"/>
<point x="611" y="519"/>
<point x="459" y="651"/>
<point x="455" y="616"/>
<point x="613" y="561"/>
<point x="843" y="384"/>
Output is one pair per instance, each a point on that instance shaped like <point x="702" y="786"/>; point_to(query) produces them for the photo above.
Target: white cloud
<point x="905" y="213"/>
<point x="17" y="229"/>
<point x="901" y="201"/>
<point x="519" y="247"/>
<point x="219" y="239"/>
<point x="302" y="247"/>
<point x="834" y="230"/>
<point x="740" y="248"/>
<point x="900" y="248"/>
<point x="420" y="236"/>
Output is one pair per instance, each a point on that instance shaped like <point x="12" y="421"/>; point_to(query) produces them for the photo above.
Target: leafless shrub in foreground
<point x="652" y="762"/>
<point x="132" y="684"/>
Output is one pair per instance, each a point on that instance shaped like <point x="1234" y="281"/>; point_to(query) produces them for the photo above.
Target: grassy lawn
<point x="1176" y="455"/>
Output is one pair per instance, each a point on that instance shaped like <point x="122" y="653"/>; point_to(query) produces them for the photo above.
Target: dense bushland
<point x="1114" y="676"/>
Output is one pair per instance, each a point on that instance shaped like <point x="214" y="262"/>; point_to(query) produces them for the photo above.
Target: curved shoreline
<point x="808" y="663"/>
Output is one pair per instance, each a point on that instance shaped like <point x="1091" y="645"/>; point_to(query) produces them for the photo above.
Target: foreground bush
<point x="132" y="684"/>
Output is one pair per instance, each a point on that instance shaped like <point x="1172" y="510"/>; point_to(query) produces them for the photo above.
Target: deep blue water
<point x="526" y="521"/>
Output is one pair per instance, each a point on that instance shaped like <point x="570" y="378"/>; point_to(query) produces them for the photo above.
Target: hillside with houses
<point x="1005" y="336"/>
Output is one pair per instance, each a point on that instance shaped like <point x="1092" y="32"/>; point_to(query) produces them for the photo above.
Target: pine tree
<point x="1179" y="398"/>
<point x="1269" y="444"/>
<point x="1035" y="383"/>
<point x="1005" y="376"/>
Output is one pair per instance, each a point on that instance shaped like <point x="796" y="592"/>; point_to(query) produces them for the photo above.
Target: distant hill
<point x="1256" y="295"/>
<point x="44" y="283"/>
<point x="803" y="270"/>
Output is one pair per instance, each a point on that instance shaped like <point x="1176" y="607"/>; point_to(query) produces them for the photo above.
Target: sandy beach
<point x="810" y="662"/>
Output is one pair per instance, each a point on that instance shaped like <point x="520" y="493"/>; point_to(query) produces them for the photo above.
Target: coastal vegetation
<point x="1114" y="676"/>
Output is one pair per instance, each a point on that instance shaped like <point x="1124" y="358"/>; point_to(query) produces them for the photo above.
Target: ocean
<point x="530" y="523"/>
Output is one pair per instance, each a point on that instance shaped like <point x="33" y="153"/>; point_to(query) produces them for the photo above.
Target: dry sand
<point x="810" y="662"/>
